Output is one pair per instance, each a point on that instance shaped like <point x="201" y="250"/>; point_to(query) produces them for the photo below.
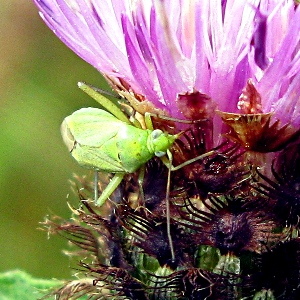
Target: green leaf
<point x="15" y="285"/>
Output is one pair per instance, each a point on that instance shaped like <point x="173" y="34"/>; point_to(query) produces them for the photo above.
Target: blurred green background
<point x="38" y="77"/>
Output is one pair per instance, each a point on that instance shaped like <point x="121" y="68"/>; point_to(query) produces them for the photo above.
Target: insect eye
<point x="156" y="133"/>
<point x="159" y="143"/>
<point x="160" y="153"/>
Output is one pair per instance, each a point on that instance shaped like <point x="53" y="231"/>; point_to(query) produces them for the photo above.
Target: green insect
<point x="110" y="142"/>
<point x="98" y="140"/>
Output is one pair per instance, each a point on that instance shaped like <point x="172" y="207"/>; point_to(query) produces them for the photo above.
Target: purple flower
<point x="163" y="49"/>
<point x="234" y="66"/>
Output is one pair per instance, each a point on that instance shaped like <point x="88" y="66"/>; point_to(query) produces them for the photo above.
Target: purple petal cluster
<point x="162" y="49"/>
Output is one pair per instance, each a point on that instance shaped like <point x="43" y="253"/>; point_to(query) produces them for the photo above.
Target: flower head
<point x="232" y="67"/>
<point x="161" y="50"/>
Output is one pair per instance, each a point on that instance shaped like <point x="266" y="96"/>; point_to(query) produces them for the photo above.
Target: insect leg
<point x="191" y="160"/>
<point x="168" y="207"/>
<point x="140" y="182"/>
<point x="110" y="188"/>
<point x="96" y="190"/>
<point x="148" y="121"/>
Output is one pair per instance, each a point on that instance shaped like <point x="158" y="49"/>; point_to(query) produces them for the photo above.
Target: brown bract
<point x="258" y="132"/>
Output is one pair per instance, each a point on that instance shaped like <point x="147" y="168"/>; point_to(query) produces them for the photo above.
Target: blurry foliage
<point x="38" y="79"/>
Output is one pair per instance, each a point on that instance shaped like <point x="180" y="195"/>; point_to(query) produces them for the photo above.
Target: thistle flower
<point x="160" y="50"/>
<point x="233" y="68"/>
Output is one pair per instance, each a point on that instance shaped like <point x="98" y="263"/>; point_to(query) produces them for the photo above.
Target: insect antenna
<point x="105" y="102"/>
<point x="104" y="92"/>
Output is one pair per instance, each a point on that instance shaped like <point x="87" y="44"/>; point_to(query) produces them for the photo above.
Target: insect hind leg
<point x="96" y="189"/>
<point x="140" y="182"/>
